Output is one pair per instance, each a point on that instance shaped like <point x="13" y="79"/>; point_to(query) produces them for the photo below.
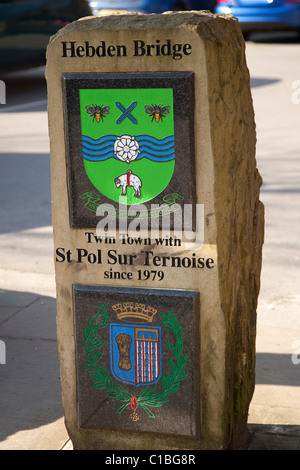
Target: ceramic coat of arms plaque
<point x="129" y="142"/>
<point x="137" y="365"/>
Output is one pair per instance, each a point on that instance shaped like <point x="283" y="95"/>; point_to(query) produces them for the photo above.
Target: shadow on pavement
<point x="274" y="37"/>
<point x="276" y="369"/>
<point x="24" y="191"/>
<point x="30" y="388"/>
<point x="273" y="437"/>
<point x="257" y="82"/>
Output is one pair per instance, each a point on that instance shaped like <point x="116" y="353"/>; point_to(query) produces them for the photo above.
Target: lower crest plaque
<point x="136" y="359"/>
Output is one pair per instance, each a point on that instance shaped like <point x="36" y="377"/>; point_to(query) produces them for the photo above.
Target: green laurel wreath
<point x="147" y="397"/>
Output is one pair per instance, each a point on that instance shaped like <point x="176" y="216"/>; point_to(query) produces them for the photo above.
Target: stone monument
<point x="158" y="230"/>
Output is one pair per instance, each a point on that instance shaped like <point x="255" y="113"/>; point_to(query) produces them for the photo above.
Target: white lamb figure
<point x="129" y="179"/>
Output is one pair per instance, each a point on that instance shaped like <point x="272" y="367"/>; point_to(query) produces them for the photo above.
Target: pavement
<point x="31" y="412"/>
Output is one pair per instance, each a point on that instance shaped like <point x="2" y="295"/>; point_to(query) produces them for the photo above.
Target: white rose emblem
<point x="126" y="148"/>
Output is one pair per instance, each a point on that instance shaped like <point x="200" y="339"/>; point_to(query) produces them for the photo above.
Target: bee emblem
<point x="97" y="112"/>
<point x="157" y="112"/>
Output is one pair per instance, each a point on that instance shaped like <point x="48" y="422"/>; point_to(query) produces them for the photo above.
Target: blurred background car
<point x="26" y="26"/>
<point x="263" y="15"/>
<point x="151" y="6"/>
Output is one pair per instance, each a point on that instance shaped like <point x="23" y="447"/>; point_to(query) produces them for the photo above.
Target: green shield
<point x="128" y="141"/>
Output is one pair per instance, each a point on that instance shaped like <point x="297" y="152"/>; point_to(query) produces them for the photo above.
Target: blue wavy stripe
<point x="164" y="158"/>
<point x="153" y="140"/>
<point x="100" y="146"/>
<point x="99" y="158"/>
<point x="144" y="153"/>
<point x="158" y="150"/>
<point x="96" y="151"/>
<point x="85" y="138"/>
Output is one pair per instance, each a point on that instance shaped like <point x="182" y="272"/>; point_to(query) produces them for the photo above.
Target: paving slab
<point x="31" y="409"/>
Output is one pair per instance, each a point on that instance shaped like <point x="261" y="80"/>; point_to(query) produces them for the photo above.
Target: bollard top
<point x="139" y="21"/>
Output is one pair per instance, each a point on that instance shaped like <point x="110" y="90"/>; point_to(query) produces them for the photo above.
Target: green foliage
<point x="147" y="397"/>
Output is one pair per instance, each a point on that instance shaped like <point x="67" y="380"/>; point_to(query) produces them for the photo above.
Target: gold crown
<point x="134" y="311"/>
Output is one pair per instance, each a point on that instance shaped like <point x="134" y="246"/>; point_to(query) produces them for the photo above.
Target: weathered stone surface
<point x="239" y="218"/>
<point x="227" y="183"/>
